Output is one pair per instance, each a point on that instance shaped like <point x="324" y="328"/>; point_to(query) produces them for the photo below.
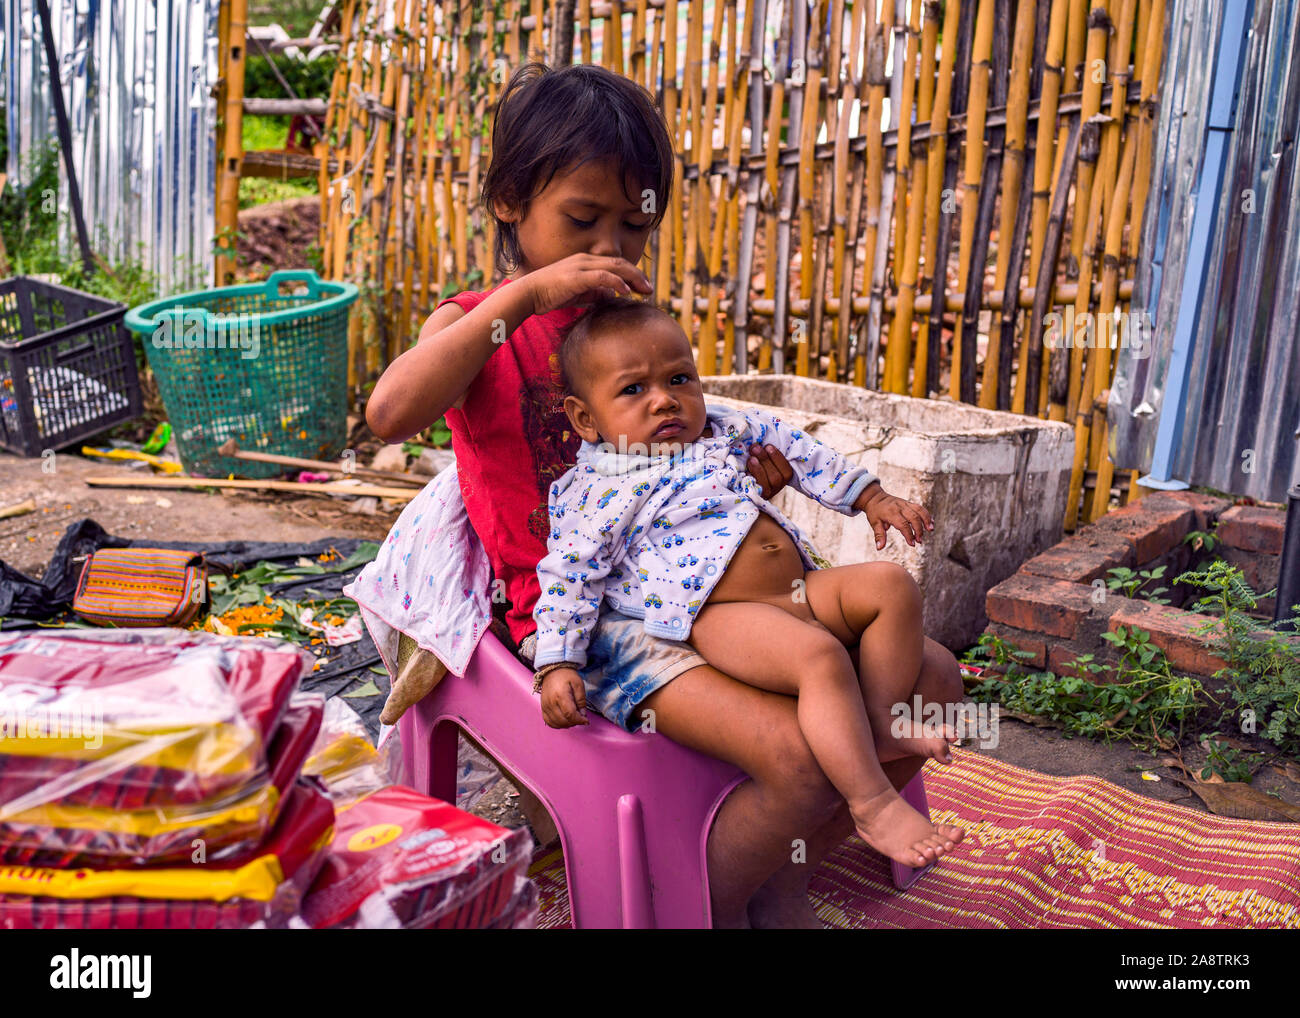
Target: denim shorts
<point x="625" y="664"/>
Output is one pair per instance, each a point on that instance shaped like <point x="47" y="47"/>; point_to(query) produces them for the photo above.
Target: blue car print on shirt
<point x="655" y="600"/>
<point x="582" y="502"/>
<point x="692" y="582"/>
<point x="692" y="607"/>
<point x="640" y="489"/>
<point x="604" y="499"/>
<point x="709" y="503"/>
<point x="556" y="589"/>
<point x="672" y="539"/>
<point x="627" y="588"/>
<point x="686" y="560"/>
<point x="570" y="556"/>
<point x="607" y="526"/>
<point x="714" y="514"/>
<point x="662" y="521"/>
<point x="642" y="575"/>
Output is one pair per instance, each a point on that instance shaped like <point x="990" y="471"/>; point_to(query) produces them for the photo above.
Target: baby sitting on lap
<point x="660" y="518"/>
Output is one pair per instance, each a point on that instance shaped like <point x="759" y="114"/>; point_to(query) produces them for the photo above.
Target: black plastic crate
<point x="67" y="366"/>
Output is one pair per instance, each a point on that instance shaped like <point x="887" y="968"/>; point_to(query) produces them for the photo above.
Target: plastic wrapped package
<point x="260" y="888"/>
<point x="129" y="719"/>
<point x="402" y="859"/>
<point x="56" y="834"/>
<point x="345" y="759"/>
<point x="521" y="913"/>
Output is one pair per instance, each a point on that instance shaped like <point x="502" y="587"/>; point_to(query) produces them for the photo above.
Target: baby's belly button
<point x="765" y="565"/>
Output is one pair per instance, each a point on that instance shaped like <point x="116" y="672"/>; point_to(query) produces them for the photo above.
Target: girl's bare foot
<point x="918" y="739"/>
<point x="892" y="827"/>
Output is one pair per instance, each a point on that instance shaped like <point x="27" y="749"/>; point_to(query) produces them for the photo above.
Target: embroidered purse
<point x="142" y="587"/>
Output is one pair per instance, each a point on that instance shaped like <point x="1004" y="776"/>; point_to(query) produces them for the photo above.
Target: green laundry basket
<point x="263" y="363"/>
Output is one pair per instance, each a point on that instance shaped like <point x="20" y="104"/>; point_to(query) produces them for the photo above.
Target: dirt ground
<point x="62" y="497"/>
<point x="277" y="235"/>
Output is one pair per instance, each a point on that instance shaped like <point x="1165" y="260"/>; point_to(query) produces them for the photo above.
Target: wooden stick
<point x="19" y="509"/>
<point x="1013" y="171"/>
<point x="229" y="448"/>
<point x="333" y="488"/>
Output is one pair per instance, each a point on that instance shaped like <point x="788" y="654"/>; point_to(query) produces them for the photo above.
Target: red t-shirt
<point x="512" y="439"/>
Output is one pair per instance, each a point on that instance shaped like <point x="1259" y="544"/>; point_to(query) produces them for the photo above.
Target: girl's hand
<point x="581" y="279"/>
<point x="885" y="511"/>
<point x="769" y="468"/>
<point x="564" y="697"/>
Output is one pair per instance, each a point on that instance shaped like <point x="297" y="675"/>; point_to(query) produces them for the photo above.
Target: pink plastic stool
<point x="633" y="810"/>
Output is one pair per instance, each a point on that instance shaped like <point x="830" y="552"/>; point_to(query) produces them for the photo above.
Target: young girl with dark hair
<point x="581" y="174"/>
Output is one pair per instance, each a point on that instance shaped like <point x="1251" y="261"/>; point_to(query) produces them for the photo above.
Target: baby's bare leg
<point x="877" y="605"/>
<point x="764" y="646"/>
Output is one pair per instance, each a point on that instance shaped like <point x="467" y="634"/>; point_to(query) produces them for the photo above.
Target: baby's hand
<point x="769" y="468"/>
<point x="564" y="697"/>
<point x="885" y="511"/>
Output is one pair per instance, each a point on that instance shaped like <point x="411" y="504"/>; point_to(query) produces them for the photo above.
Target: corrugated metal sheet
<point x="137" y="78"/>
<point x="1241" y="415"/>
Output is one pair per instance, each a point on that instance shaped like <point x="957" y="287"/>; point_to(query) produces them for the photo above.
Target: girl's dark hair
<point x="550" y="120"/>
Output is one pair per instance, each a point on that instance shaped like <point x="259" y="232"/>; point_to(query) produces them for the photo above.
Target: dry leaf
<point x="1237" y="799"/>
<point x="1288" y="770"/>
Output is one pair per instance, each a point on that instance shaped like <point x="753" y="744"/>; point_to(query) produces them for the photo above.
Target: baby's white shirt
<point x="653" y="535"/>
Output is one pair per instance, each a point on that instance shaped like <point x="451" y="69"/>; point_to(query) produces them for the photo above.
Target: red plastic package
<point x="128" y="719"/>
<point x="402" y="859"/>
<point x="263" y="887"/>
<point x="60" y="835"/>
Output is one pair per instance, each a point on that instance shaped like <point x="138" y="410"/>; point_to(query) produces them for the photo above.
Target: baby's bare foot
<point x="892" y="827"/>
<point x="917" y="739"/>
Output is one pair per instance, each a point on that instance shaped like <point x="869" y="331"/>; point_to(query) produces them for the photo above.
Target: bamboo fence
<point x="911" y="196"/>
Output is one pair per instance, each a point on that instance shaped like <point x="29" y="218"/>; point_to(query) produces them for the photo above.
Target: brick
<point x="1031" y="642"/>
<point x="1060" y="656"/>
<point x="1152" y="528"/>
<point x="1039" y="604"/>
<point x="1251" y="528"/>
<point x="1260" y="571"/>
<point x="1083" y="557"/>
<point x="1206" y="508"/>
<point x="1172" y="631"/>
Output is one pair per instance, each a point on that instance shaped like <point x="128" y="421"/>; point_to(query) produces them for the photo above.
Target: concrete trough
<point x="995" y="484"/>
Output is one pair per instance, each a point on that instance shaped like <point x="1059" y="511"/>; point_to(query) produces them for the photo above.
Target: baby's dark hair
<point x="594" y="322"/>
<point x="549" y="120"/>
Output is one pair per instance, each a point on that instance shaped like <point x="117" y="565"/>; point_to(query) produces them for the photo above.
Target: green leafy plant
<point x="1229" y="762"/>
<point x="1262" y="671"/>
<point x="1144" y="704"/>
<point x="1204" y="540"/>
<point x="1131" y="583"/>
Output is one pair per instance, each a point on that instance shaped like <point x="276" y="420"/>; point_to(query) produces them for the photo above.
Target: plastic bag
<point x="127" y="727"/>
<point x="128" y="719"/>
<point x="344" y="758"/>
<point x="262" y="887"/>
<point x="402" y="859"/>
<point x="59" y="835"/>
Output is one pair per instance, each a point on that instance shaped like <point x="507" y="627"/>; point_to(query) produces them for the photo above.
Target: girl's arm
<point x="420" y="385"/>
